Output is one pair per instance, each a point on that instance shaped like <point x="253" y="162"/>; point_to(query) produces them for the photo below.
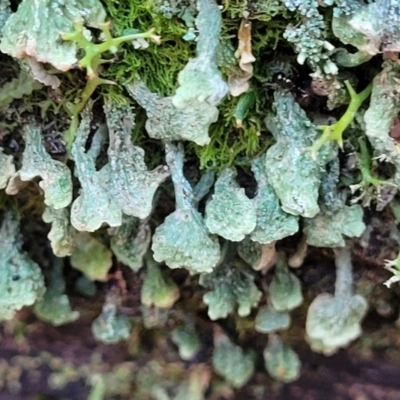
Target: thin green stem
<point x="365" y="164"/>
<point x="91" y="62"/>
<point x="93" y="51"/>
<point x="76" y="109"/>
<point x="364" y="160"/>
<point x="335" y="132"/>
<point x="344" y="275"/>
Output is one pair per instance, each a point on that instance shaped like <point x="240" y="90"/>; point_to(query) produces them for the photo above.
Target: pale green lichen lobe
<point x="91" y="257"/>
<point x="21" y="280"/>
<point x="333" y="321"/>
<point x="281" y="361"/>
<point x="230" y="213"/>
<point x="61" y="235"/>
<point x="55" y="307"/>
<point x="56" y="180"/>
<point x="232" y="362"/>
<point x="95" y="205"/>
<point x="329" y="228"/>
<point x="299" y="177"/>
<point x="229" y="285"/>
<point x="285" y="288"/>
<point x="131" y="183"/>
<point x="187" y="340"/>
<point x="7" y="168"/>
<point x="200" y="81"/>
<point x="182" y="240"/>
<point x="272" y="222"/>
<point x="158" y="290"/>
<point x="130" y="241"/>
<point x="268" y="320"/>
<point x="166" y="122"/>
<point x="110" y="327"/>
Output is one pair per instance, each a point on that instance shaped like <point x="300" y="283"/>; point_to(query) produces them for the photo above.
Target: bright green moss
<point x="231" y="145"/>
<point x="158" y="65"/>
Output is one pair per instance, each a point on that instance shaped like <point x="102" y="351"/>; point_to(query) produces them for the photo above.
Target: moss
<point x="231" y="145"/>
<point x="158" y="65"/>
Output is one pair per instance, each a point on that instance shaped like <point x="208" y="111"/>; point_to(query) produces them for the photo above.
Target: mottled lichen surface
<point x="190" y="167"/>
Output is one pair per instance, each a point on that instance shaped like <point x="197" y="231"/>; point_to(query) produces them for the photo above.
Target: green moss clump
<point x="229" y="144"/>
<point x="157" y="65"/>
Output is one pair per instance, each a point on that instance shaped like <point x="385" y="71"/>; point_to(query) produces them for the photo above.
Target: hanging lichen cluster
<point x="253" y="111"/>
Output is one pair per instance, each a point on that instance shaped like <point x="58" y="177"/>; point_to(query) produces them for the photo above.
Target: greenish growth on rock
<point x="268" y="320"/>
<point x="95" y="205"/>
<point x="187" y="340"/>
<point x="329" y="229"/>
<point x="272" y="222"/>
<point x="131" y="184"/>
<point x="285" y="288"/>
<point x="383" y="110"/>
<point x="230" y="213"/>
<point x="61" y="235"/>
<point x="232" y="362"/>
<point x="166" y="122"/>
<point x="309" y="38"/>
<point x="333" y="321"/>
<point x="20" y="277"/>
<point x="55" y="176"/>
<point x="175" y="73"/>
<point x="131" y="241"/>
<point x="371" y="28"/>
<point x="110" y="327"/>
<point x="342" y="29"/>
<point x="91" y="257"/>
<point x="281" y="361"/>
<point x="7" y="168"/>
<point x="182" y="240"/>
<point x="200" y="81"/>
<point x="157" y="290"/>
<point x="5" y="12"/>
<point x="336" y="217"/>
<point x="54" y="307"/>
<point x="229" y="285"/>
<point x="299" y="178"/>
<point x="17" y="88"/>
